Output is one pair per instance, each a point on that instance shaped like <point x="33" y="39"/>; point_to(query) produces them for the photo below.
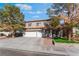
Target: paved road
<point x="16" y="52"/>
<point x="35" y="46"/>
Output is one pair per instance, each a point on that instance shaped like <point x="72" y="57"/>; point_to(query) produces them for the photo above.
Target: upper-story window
<point x="37" y="24"/>
<point x="46" y="24"/>
<point x="29" y="24"/>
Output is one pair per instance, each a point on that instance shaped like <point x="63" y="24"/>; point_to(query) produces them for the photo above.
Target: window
<point x="29" y="24"/>
<point x="37" y="24"/>
<point x="46" y="24"/>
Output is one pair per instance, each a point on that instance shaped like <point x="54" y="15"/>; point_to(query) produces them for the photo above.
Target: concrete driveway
<point x="36" y="46"/>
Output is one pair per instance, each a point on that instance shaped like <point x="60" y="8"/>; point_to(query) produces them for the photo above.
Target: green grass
<point x="63" y="40"/>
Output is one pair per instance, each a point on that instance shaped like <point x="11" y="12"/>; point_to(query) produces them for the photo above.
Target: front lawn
<point x="63" y="40"/>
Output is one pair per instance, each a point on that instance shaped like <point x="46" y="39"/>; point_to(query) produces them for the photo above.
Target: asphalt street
<point x="16" y="52"/>
<point x="24" y="46"/>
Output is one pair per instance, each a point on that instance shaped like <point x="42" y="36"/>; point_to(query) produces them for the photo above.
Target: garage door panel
<point x="39" y="34"/>
<point x="33" y="34"/>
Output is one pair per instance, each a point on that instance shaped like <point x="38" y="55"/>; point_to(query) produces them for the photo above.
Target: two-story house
<point x="35" y="28"/>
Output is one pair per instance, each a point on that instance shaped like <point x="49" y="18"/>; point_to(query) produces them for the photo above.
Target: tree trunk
<point x="65" y="33"/>
<point x="70" y="35"/>
<point x="13" y="34"/>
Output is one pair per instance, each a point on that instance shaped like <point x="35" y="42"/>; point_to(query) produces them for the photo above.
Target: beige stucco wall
<point x="34" y="24"/>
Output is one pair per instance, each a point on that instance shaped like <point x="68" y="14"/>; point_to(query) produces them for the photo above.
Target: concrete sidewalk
<point x="40" y="45"/>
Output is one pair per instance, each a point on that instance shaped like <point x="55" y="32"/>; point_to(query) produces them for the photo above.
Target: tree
<point x="54" y="22"/>
<point x="12" y="17"/>
<point x="56" y="9"/>
<point x="71" y="8"/>
<point x="68" y="10"/>
<point x="56" y="26"/>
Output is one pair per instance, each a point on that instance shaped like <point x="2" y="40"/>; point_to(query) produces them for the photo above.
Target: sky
<point x="32" y="11"/>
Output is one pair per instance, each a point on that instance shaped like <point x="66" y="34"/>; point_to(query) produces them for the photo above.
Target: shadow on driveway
<point x="16" y="52"/>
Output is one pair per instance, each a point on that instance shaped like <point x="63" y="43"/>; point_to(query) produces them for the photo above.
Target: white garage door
<point x="33" y="34"/>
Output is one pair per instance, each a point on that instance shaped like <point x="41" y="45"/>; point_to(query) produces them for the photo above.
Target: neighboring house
<point x="35" y="28"/>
